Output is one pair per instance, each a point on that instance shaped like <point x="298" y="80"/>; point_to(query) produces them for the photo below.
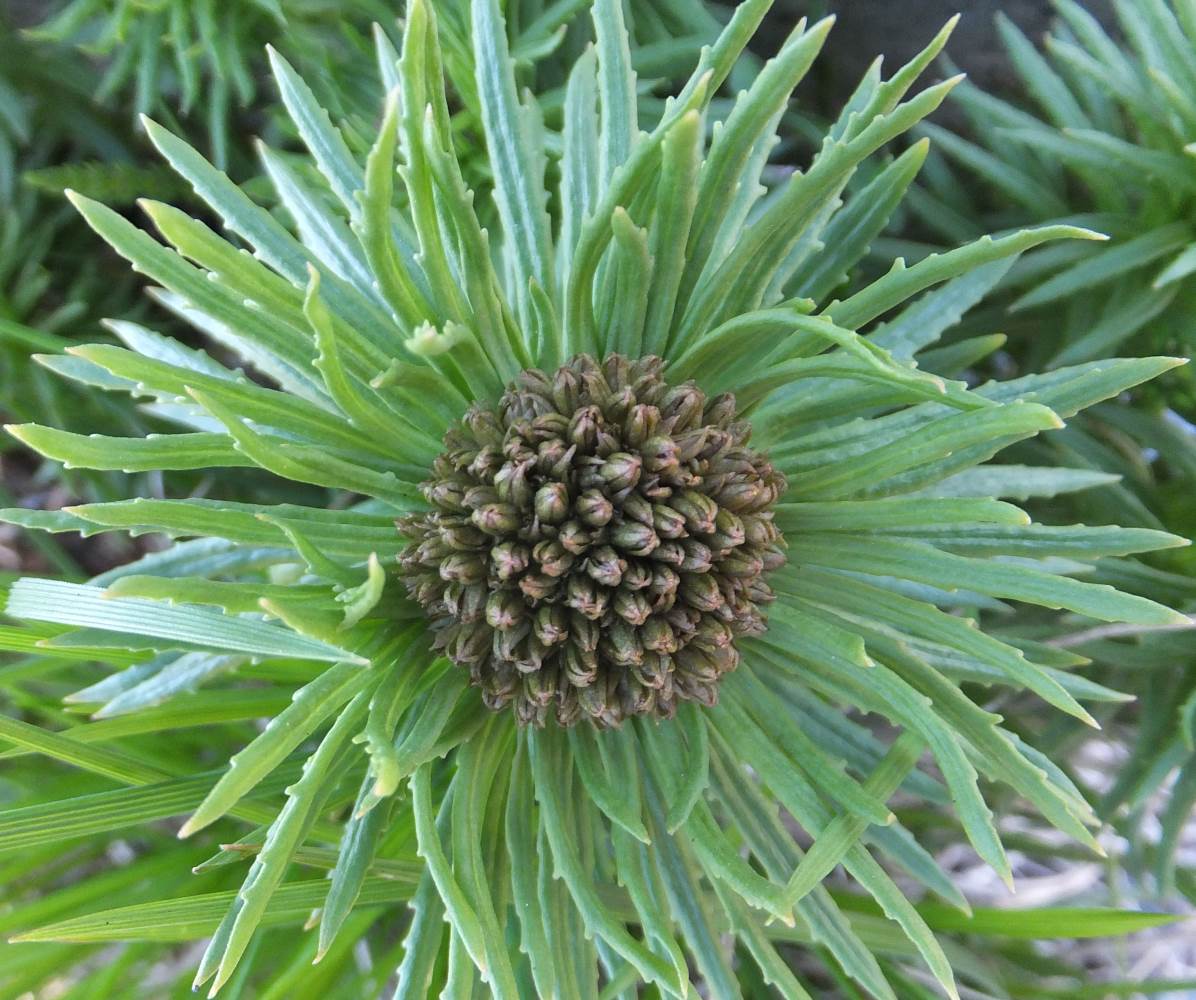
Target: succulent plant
<point x="634" y="327"/>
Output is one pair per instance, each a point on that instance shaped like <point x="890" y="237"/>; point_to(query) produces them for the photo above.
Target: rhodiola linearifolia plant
<point x="633" y="534"/>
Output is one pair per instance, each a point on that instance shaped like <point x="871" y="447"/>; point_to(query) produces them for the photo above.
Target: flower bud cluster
<point x="596" y="543"/>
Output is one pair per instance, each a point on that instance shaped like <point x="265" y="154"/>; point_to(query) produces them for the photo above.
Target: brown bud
<point x="551" y="624"/>
<point x="552" y="557"/>
<point x="496" y="518"/>
<point x="509" y="559"/>
<point x="632" y="607"/>
<point x="574" y="537"/>
<point x="605" y="566"/>
<point x="700" y="591"/>
<point x="634" y="538"/>
<point x="594" y="509"/>
<point x="621" y="470"/>
<point x="698" y="510"/>
<point x="552" y="503"/>
<point x="586" y="596"/>
<point x="504" y="610"/>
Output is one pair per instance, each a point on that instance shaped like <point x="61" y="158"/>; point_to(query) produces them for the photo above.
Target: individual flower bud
<point x="665" y="581"/>
<point x="463" y="567"/>
<point x="658" y="636"/>
<point x="595" y="703"/>
<point x="618" y="408"/>
<point x="536" y="586"/>
<point x="636" y="508"/>
<point x="695" y="663"/>
<point x="605" y="566"/>
<point x="584" y="631"/>
<point x="486" y="462"/>
<point x="552" y="503"/>
<point x="640" y="424"/>
<point x="621" y="470"/>
<point x="720" y="410"/>
<point x="581" y="666"/>
<point x="540" y="686"/>
<point x="551" y="624"/>
<point x="669" y="552"/>
<point x="504" y="609"/>
<point x="552" y="456"/>
<point x="484" y="425"/>
<point x="698" y="510"/>
<point x="682" y="407"/>
<point x="759" y="530"/>
<point x="468" y="643"/>
<point x="691" y="444"/>
<point x="712" y="632"/>
<point x="506" y="646"/>
<point x="699" y="590"/>
<point x="446" y="495"/>
<point x="730" y="526"/>
<point x="496" y="518"/>
<point x="511" y="483"/>
<point x="661" y="455"/>
<point x="653" y="672"/>
<point x="741" y="564"/>
<point x="698" y="557"/>
<point x="667" y="522"/>
<point x="634" y="538"/>
<point x="461" y="536"/>
<point x="594" y="509"/>
<point x="621" y="643"/>
<point x="632" y="607"/>
<point x="432" y="550"/>
<point x="553" y="559"/>
<point x="637" y="576"/>
<point x="586" y="596"/>
<point x="583" y="428"/>
<point x="566" y="390"/>
<point x="744" y="496"/>
<point x="549" y="427"/>
<point x="509" y="559"/>
<point x="574" y="538"/>
<point x="531" y="658"/>
<point x="472" y="605"/>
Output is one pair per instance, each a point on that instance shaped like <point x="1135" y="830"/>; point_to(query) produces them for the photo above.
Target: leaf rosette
<point x="635" y="852"/>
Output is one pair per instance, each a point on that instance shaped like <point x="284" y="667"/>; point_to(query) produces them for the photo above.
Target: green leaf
<point x="309" y="707"/>
<point x="609" y="770"/>
<point x="285" y="835"/>
<point x="84" y="606"/>
<point x="549" y="757"/>
<point x="986" y="430"/>
<point x="901" y="282"/>
<point x="147" y="454"/>
<point x="616" y="87"/>
<point x="925" y="564"/>
<point x="1104" y="267"/>
<point x="189" y="917"/>
<point x="519" y="185"/>
<point x="315" y="128"/>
